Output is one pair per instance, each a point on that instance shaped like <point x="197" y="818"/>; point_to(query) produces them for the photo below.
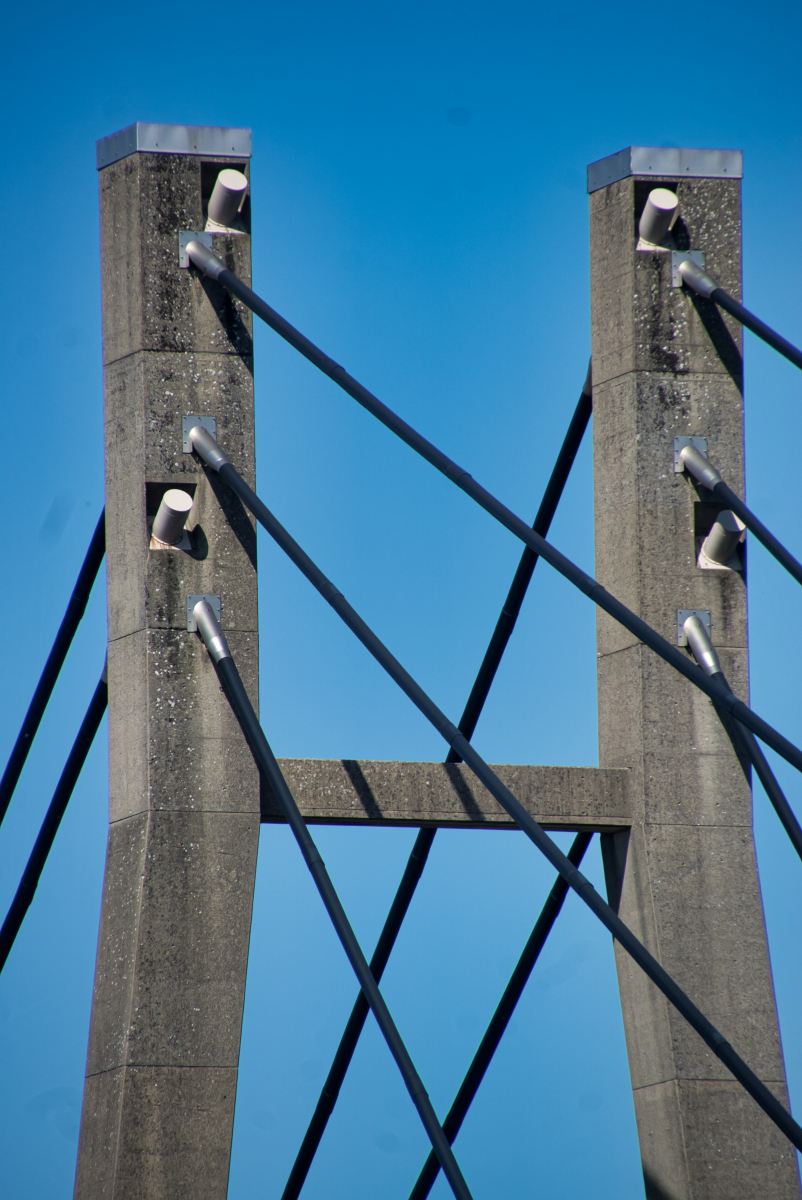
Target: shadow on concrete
<point x="236" y="513"/>
<point x="464" y="792"/>
<point x="199" y="544"/>
<point x="225" y="309"/>
<point x="656" y="1190"/>
<point x="364" y="791"/>
<point x="723" y="342"/>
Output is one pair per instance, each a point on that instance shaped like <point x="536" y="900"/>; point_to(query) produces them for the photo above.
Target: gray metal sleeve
<point x="587" y="387"/>
<point x="701" y="645"/>
<point x="203" y="258"/>
<point x="209" y="629"/>
<point x="204" y="444"/>
<point x="699" y="467"/>
<point x="692" y="275"/>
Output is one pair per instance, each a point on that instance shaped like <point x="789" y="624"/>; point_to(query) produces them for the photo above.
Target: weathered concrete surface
<point x="183" y="790"/>
<point x="335" y="792"/>
<point x="666" y="363"/>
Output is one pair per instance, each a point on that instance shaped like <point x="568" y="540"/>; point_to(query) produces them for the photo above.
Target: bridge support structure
<point x="164" y="1041"/>
<point x="667" y="364"/>
<point x="671" y="799"/>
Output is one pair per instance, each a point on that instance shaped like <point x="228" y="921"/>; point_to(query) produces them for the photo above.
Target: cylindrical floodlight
<point x="227" y="196"/>
<point x="659" y="215"/>
<point x="701" y="645"/>
<point x="168" y="524"/>
<point x="722" y="541"/>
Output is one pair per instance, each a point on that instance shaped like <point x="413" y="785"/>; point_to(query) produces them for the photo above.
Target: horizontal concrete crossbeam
<point x="347" y="792"/>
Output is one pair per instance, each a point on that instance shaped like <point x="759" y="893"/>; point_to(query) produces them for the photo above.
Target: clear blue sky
<point x="445" y="264"/>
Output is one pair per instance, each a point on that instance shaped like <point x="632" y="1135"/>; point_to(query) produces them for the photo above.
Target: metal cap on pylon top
<point x="672" y="162"/>
<point x="216" y="140"/>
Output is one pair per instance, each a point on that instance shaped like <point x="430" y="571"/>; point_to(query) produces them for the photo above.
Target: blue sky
<point x="420" y="212"/>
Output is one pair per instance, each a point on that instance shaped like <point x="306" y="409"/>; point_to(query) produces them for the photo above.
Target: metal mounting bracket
<point x="698" y="443"/>
<point x="185" y="237"/>
<point x="189" y="422"/>
<point x="214" y="601"/>
<point x="682" y="617"/>
<point x="681" y="256"/>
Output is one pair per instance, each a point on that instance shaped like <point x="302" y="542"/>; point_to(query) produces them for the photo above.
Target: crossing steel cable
<point x="523" y="575"/>
<point x="356" y="1021"/>
<point x="707" y="474"/>
<point x="234" y="689"/>
<point x="58" y="806"/>
<point x="205" y="444"/>
<point x="215" y="458"/>
<point x="423" y="842"/>
<point x="709" y="661"/>
<point x="702" y="283"/>
<point x="55" y="660"/>
<point x="721" y="696"/>
<point x="501" y="1017"/>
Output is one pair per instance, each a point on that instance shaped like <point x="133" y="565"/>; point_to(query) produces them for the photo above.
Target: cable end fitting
<point x="207" y="448"/>
<point x="587" y="388"/>
<point x="702" y="647"/>
<point x="694" y="278"/>
<point x="699" y="467"/>
<point x="201" y="257"/>
<point x="209" y="629"/>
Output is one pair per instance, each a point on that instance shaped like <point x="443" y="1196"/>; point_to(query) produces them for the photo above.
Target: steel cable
<point x="55" y="660"/>
<point x="584" y="889"/>
<point x="423" y="842"/>
<point x="58" y="806"/>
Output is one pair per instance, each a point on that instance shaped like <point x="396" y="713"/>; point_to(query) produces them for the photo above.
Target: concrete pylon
<point x="668" y="364"/>
<point x="184" y="793"/>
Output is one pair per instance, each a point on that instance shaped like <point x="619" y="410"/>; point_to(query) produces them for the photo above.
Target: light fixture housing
<point x="169" y="522"/>
<point x="722" y="542"/>
<point x="228" y="196"/>
<point x="659" y="215"/>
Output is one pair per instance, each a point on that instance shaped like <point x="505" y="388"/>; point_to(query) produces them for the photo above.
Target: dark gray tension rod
<point x="423" y="842"/>
<point x="217" y="460"/>
<point x="242" y="708"/>
<point x="707" y="474"/>
<point x="523" y="575"/>
<point x="697" y="279"/>
<point x="58" y="806"/>
<point x="55" y="661"/>
<point x="501" y="1017"/>
<point x="718" y="693"/>
<point x="708" y="659"/>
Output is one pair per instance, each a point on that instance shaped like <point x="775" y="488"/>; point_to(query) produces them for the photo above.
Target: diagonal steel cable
<point x="702" y="283"/>
<point x="55" y="661"/>
<point x="501" y="1017"/>
<point x="58" y="806"/>
<point x="484" y="773"/>
<point x="719" y="694"/>
<point x="423" y="842"/>
<point x="704" y="471"/>
<point x="235" y="692"/>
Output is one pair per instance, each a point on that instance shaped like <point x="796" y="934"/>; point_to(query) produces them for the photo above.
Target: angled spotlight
<point x="227" y="196"/>
<point x="721" y="543"/>
<point x="169" y="522"/>
<point x="659" y="215"/>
